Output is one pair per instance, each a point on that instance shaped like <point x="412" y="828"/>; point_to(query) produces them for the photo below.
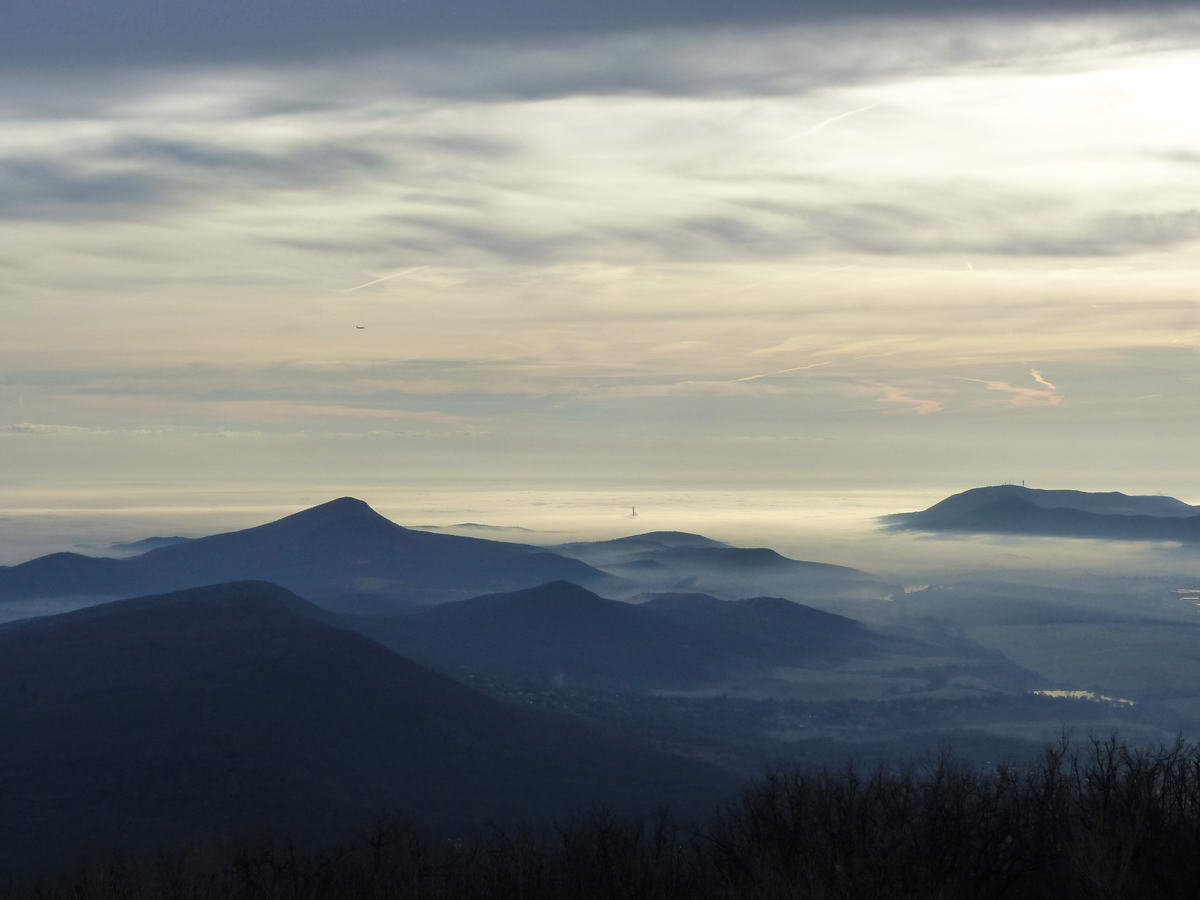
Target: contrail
<point x="1037" y="376"/>
<point x="780" y="372"/>
<point x="815" y="128"/>
<point x="365" y="284"/>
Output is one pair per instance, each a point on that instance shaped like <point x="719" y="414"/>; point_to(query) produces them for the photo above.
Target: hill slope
<point x="230" y="707"/>
<point x="562" y="632"/>
<point x="676" y="561"/>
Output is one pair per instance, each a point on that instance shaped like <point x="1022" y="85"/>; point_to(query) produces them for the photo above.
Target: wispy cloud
<point x="43" y="428"/>
<point x="1040" y="379"/>
<point x="1021" y="396"/>
<point x="919" y="405"/>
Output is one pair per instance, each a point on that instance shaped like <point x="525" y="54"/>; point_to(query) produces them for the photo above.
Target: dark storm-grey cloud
<point x="51" y="34"/>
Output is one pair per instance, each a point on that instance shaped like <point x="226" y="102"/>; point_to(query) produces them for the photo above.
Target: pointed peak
<point x="343" y="513"/>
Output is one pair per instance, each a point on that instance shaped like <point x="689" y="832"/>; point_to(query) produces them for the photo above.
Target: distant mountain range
<point x="1012" y="509"/>
<point x="134" y="548"/>
<point x="474" y="526"/>
<point x="341" y="552"/>
<point x="236" y="707"/>
<point x="561" y="632"/>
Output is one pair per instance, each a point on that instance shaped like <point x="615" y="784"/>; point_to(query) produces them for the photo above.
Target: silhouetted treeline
<point x="1098" y="820"/>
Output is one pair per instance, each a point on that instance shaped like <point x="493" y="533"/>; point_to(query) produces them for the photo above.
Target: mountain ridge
<point x="339" y="549"/>
<point x="1012" y="509"/>
<point x="563" y="632"/>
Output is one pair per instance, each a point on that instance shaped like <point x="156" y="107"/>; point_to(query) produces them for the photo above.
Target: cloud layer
<point x="576" y="235"/>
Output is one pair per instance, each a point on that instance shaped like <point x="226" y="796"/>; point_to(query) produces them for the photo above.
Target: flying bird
<point x="360" y="327"/>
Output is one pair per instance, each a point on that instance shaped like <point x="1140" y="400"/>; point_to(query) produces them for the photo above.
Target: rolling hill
<point x="677" y="561"/>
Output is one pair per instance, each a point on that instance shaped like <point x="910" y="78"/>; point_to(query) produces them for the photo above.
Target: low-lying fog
<point x="838" y="527"/>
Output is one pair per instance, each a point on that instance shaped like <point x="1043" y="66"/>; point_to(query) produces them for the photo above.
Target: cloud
<point x="48" y="189"/>
<point x="920" y="406"/>
<point x="315" y="164"/>
<point x="43" y="428"/>
<point x="1040" y="379"/>
<point x="146" y="32"/>
<point x="317" y="61"/>
<point x="1022" y="396"/>
<point x="736" y="388"/>
<point x="982" y="221"/>
<point x="128" y="177"/>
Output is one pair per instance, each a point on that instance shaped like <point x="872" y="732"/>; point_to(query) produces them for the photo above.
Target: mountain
<point x="233" y="707"/>
<point x="1012" y="509"/>
<point x="341" y="552"/>
<point x="623" y="549"/>
<point x="1112" y="503"/>
<point x="787" y="633"/>
<point x="560" y="632"/>
<point x="676" y="561"/>
<point x="674" y="600"/>
<point x="745" y="559"/>
<point x="133" y="548"/>
<point x="474" y="526"/>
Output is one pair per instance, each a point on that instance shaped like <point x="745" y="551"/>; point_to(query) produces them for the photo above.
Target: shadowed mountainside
<point x="232" y="707"/>
<point x="629" y="547"/>
<point x="561" y="631"/>
<point x="677" y="561"/>
<point x="342" y="549"/>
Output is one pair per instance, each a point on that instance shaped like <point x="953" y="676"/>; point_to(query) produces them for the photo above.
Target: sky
<point x="664" y="243"/>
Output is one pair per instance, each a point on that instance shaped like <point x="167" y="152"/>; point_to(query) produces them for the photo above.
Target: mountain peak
<point x="341" y="506"/>
<point x="343" y="510"/>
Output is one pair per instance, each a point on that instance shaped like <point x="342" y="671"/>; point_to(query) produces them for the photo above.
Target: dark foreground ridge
<point x="1097" y="820"/>
<point x="1012" y="509"/>
<point x="234" y="708"/>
